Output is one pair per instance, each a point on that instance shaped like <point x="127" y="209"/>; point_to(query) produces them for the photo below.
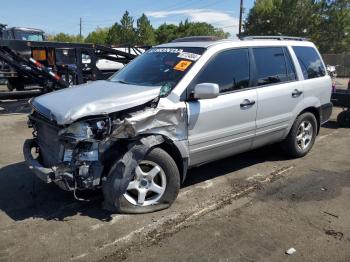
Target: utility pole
<point x="81" y="25"/>
<point x="240" y="19"/>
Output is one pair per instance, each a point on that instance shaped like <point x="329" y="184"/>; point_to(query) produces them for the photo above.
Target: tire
<point x="16" y="83"/>
<point x="343" y="119"/>
<point x="128" y="201"/>
<point x="293" y="144"/>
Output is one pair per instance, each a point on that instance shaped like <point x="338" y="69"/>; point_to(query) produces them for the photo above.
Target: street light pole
<point x="240" y="19"/>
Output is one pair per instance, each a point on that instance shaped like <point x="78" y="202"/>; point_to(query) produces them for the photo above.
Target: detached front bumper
<point x="45" y="174"/>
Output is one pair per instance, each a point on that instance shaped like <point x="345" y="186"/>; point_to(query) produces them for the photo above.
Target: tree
<point x="127" y="31"/>
<point x="124" y="33"/>
<point x="325" y="22"/>
<point x="334" y="34"/>
<point x="113" y="35"/>
<point x="280" y="17"/>
<point x="63" y="37"/>
<point x="99" y="36"/>
<point x="145" y="31"/>
<point x="166" y="33"/>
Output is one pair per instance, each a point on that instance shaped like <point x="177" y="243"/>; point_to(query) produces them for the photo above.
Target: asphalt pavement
<point x="250" y="207"/>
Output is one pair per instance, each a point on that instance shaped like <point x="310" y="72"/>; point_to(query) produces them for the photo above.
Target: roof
<point x="239" y="43"/>
<point x="26" y="29"/>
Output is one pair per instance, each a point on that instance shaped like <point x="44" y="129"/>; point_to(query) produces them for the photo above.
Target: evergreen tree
<point x="145" y="31"/>
<point x="127" y="31"/>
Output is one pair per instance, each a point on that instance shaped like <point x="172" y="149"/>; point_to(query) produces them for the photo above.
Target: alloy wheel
<point x="147" y="186"/>
<point x="304" y="135"/>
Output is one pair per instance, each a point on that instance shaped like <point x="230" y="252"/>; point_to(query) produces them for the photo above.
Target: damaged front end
<point x="79" y="155"/>
<point x="69" y="156"/>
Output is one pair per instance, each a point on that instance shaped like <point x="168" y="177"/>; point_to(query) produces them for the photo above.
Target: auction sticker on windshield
<point x="189" y="56"/>
<point x="182" y="65"/>
<point x="166" y="50"/>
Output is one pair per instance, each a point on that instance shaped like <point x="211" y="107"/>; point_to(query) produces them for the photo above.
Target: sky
<point x="64" y="15"/>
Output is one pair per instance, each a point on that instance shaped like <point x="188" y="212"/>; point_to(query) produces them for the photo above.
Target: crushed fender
<point x="122" y="172"/>
<point x="168" y="122"/>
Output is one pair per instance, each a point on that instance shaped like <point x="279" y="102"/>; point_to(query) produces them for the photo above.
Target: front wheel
<point x="154" y="185"/>
<point x="302" y="136"/>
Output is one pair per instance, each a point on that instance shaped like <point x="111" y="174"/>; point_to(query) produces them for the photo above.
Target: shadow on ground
<point x="234" y="163"/>
<point x="8" y="107"/>
<point x="23" y="195"/>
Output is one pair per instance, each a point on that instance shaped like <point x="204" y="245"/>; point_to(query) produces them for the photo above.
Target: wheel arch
<point x="179" y="155"/>
<point x="316" y="112"/>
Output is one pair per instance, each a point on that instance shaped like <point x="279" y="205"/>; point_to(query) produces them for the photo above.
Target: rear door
<point x="224" y="125"/>
<point x="279" y="93"/>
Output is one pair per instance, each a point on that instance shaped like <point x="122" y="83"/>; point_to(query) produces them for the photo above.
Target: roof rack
<point x="197" y="39"/>
<point x="277" y="37"/>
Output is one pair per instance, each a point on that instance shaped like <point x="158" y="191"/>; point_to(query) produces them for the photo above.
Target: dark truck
<point x="23" y="49"/>
<point x="21" y="33"/>
<point x="16" y="33"/>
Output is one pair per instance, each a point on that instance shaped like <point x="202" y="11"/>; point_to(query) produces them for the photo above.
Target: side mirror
<point x="206" y="91"/>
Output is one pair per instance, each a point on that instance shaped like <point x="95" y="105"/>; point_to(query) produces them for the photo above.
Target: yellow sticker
<point x="182" y="65"/>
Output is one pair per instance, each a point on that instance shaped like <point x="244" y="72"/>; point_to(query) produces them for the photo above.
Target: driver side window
<point x="229" y="69"/>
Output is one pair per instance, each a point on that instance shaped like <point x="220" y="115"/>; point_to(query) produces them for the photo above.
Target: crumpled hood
<point x="95" y="98"/>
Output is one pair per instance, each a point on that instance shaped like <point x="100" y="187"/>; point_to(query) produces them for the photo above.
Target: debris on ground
<point x="291" y="251"/>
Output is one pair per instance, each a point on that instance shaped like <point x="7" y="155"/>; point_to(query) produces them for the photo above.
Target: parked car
<point x="177" y="106"/>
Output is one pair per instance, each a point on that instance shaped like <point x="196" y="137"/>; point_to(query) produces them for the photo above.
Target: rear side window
<point x="271" y="66"/>
<point x="310" y="62"/>
<point x="229" y="69"/>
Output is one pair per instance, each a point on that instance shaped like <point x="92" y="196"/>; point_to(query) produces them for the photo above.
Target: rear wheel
<point x="154" y="185"/>
<point x="343" y="119"/>
<point x="301" y="136"/>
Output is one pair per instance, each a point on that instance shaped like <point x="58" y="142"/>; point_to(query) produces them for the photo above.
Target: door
<point x="279" y="94"/>
<point x="224" y="125"/>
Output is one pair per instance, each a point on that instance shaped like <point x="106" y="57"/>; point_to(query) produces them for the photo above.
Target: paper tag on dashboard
<point x="189" y="56"/>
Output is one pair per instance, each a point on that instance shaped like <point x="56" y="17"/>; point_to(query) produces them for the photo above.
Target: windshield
<point x="163" y="67"/>
<point x="28" y="36"/>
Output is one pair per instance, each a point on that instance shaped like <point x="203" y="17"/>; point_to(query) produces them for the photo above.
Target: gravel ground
<point x="250" y="207"/>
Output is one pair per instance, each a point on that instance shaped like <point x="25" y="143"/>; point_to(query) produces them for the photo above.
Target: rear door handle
<point x="247" y="103"/>
<point x="297" y="93"/>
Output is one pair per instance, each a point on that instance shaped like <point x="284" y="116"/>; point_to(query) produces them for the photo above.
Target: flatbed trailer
<point x="55" y="65"/>
<point x="341" y="98"/>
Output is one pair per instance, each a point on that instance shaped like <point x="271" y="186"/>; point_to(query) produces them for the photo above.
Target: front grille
<point x="47" y="137"/>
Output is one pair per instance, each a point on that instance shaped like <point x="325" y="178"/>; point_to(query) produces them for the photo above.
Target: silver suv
<point x="177" y="106"/>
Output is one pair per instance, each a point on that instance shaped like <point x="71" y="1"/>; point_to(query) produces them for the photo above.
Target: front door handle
<point x="297" y="93"/>
<point x="247" y="103"/>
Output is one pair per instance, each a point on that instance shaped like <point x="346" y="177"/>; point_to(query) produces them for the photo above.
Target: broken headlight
<point x="94" y="129"/>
